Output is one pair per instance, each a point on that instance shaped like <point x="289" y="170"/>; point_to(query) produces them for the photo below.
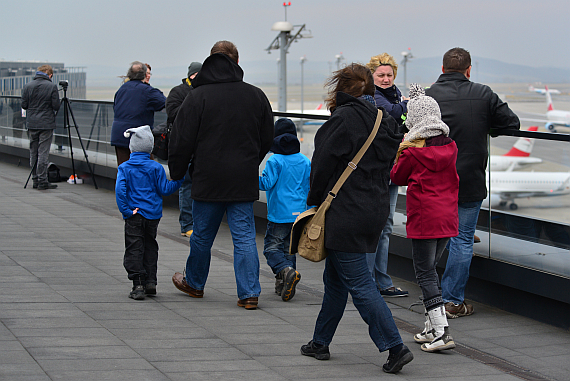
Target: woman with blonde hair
<point x="388" y="97"/>
<point x="360" y="206"/>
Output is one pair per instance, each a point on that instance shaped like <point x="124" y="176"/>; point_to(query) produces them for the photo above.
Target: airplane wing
<point x="534" y="120"/>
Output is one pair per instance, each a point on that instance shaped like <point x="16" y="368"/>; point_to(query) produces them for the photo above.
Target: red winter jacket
<point x="433" y="186"/>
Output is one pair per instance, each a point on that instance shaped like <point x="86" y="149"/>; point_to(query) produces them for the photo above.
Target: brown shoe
<point x="249" y="303"/>
<point x="180" y="283"/>
<point x="476" y="239"/>
<point x="453" y="310"/>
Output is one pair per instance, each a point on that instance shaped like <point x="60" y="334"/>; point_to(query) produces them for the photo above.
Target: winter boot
<point x="290" y="278"/>
<point x="425" y="336"/>
<point x="278" y="284"/>
<point x="443" y="339"/>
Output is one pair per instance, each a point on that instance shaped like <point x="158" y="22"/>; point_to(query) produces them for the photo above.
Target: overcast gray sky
<point x="176" y="32"/>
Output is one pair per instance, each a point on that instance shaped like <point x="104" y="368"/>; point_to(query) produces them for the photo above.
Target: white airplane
<point x="543" y="91"/>
<point x="507" y="186"/>
<point x="517" y="157"/>
<point x="553" y="117"/>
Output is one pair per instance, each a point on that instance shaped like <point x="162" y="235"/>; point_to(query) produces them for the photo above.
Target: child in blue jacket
<point x="286" y="182"/>
<point x="141" y="183"/>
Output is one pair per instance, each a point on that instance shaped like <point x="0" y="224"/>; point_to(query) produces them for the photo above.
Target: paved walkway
<point x="65" y="314"/>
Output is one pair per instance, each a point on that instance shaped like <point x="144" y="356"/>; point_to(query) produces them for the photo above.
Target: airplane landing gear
<point x="503" y="203"/>
<point x="513" y="206"/>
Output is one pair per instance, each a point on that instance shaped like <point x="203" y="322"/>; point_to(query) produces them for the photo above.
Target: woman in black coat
<point x="361" y="205"/>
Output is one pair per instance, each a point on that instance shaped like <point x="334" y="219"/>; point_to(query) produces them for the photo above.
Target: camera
<point x="64" y="84"/>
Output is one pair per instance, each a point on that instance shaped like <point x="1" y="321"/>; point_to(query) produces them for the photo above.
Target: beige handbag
<point x="308" y="232"/>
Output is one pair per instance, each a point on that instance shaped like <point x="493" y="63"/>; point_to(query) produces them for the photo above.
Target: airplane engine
<point x="550" y="127"/>
<point x="495" y="201"/>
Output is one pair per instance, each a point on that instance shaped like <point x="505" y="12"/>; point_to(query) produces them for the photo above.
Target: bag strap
<point x="353" y="164"/>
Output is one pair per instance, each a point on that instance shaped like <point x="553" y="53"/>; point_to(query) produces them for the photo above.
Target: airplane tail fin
<point x="548" y="99"/>
<point x="523" y="146"/>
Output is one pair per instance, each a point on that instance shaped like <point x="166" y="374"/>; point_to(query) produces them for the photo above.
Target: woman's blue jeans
<point x="378" y="261"/>
<point x="207" y="219"/>
<point x="460" y="249"/>
<point x="348" y="272"/>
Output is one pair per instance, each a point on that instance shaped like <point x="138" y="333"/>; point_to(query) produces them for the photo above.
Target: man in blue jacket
<point x="134" y="106"/>
<point x="40" y="99"/>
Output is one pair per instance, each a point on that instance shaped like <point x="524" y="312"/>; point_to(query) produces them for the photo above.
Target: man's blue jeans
<point x="348" y="272"/>
<point x="378" y="261"/>
<point x="207" y="219"/>
<point x="185" y="204"/>
<point x="460" y="249"/>
<point x="276" y="246"/>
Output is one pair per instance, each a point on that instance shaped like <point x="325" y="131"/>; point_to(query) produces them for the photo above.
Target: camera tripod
<point x="67" y="112"/>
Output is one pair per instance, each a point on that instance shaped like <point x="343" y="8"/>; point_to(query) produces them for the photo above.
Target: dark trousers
<point x="141" y="249"/>
<point x="426" y="253"/>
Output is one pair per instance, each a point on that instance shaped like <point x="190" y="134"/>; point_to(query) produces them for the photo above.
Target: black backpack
<point x="53" y="173"/>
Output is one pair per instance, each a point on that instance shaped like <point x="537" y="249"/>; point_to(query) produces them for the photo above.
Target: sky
<point x="173" y="33"/>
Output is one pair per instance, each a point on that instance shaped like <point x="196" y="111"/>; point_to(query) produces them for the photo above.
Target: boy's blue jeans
<point x="276" y="246"/>
<point x="185" y="204"/>
<point x="207" y="219"/>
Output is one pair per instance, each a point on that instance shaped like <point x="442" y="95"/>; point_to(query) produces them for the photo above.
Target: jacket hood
<point x="41" y="74"/>
<point x="435" y="158"/>
<point x="139" y="158"/>
<point x="218" y="68"/>
<point x="286" y="144"/>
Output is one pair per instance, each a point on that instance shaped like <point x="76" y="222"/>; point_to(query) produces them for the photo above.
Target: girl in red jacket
<point x="425" y="162"/>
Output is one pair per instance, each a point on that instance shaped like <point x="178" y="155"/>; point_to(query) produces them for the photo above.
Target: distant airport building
<point x="15" y="74"/>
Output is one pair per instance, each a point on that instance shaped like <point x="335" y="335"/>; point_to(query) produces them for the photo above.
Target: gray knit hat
<point x="194" y="68"/>
<point x="142" y="139"/>
<point x="424" y="116"/>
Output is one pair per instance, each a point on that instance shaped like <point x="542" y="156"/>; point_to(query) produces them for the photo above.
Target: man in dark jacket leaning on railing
<point x="40" y="99"/>
<point x="470" y="110"/>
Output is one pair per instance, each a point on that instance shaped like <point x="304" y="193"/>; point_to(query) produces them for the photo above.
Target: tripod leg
<point x="32" y="171"/>
<point x="66" y="111"/>
<point x="82" y="147"/>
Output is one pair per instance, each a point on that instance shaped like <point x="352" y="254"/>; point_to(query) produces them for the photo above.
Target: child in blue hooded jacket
<point x="286" y="182"/>
<point x="141" y="183"/>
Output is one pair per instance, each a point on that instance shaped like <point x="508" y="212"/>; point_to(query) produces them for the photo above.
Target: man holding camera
<point x="40" y="99"/>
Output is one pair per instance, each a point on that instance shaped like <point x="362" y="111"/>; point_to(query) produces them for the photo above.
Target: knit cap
<point x="424" y="116"/>
<point x="142" y="139"/>
<point x="194" y="68"/>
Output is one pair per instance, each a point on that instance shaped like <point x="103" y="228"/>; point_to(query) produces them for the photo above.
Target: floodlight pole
<point x="283" y="42"/>
<point x="407" y="56"/>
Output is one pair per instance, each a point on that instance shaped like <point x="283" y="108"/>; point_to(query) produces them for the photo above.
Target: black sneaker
<point x="396" y="361"/>
<point x="278" y="284"/>
<point x="44" y="186"/>
<point x="320" y="352"/>
<point x="150" y="289"/>
<point x="137" y="293"/>
<point x="290" y="278"/>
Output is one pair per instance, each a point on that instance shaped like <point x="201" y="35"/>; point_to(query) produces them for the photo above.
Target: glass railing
<point x="525" y="221"/>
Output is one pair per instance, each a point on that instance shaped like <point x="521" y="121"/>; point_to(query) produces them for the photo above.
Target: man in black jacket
<point x="40" y="99"/>
<point x="173" y="103"/>
<point x="225" y="127"/>
<point x="470" y="110"/>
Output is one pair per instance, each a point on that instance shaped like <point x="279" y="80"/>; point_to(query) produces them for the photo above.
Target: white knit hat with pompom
<point x="424" y="116"/>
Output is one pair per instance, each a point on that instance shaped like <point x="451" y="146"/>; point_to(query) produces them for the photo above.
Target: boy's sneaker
<point x="453" y="310"/>
<point x="320" y="352"/>
<point x="137" y="293"/>
<point x="290" y="278"/>
<point x="441" y="343"/>
<point x="396" y="361"/>
<point x="150" y="289"/>
<point x="187" y="234"/>
<point x="278" y="284"/>
<point x="393" y="292"/>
